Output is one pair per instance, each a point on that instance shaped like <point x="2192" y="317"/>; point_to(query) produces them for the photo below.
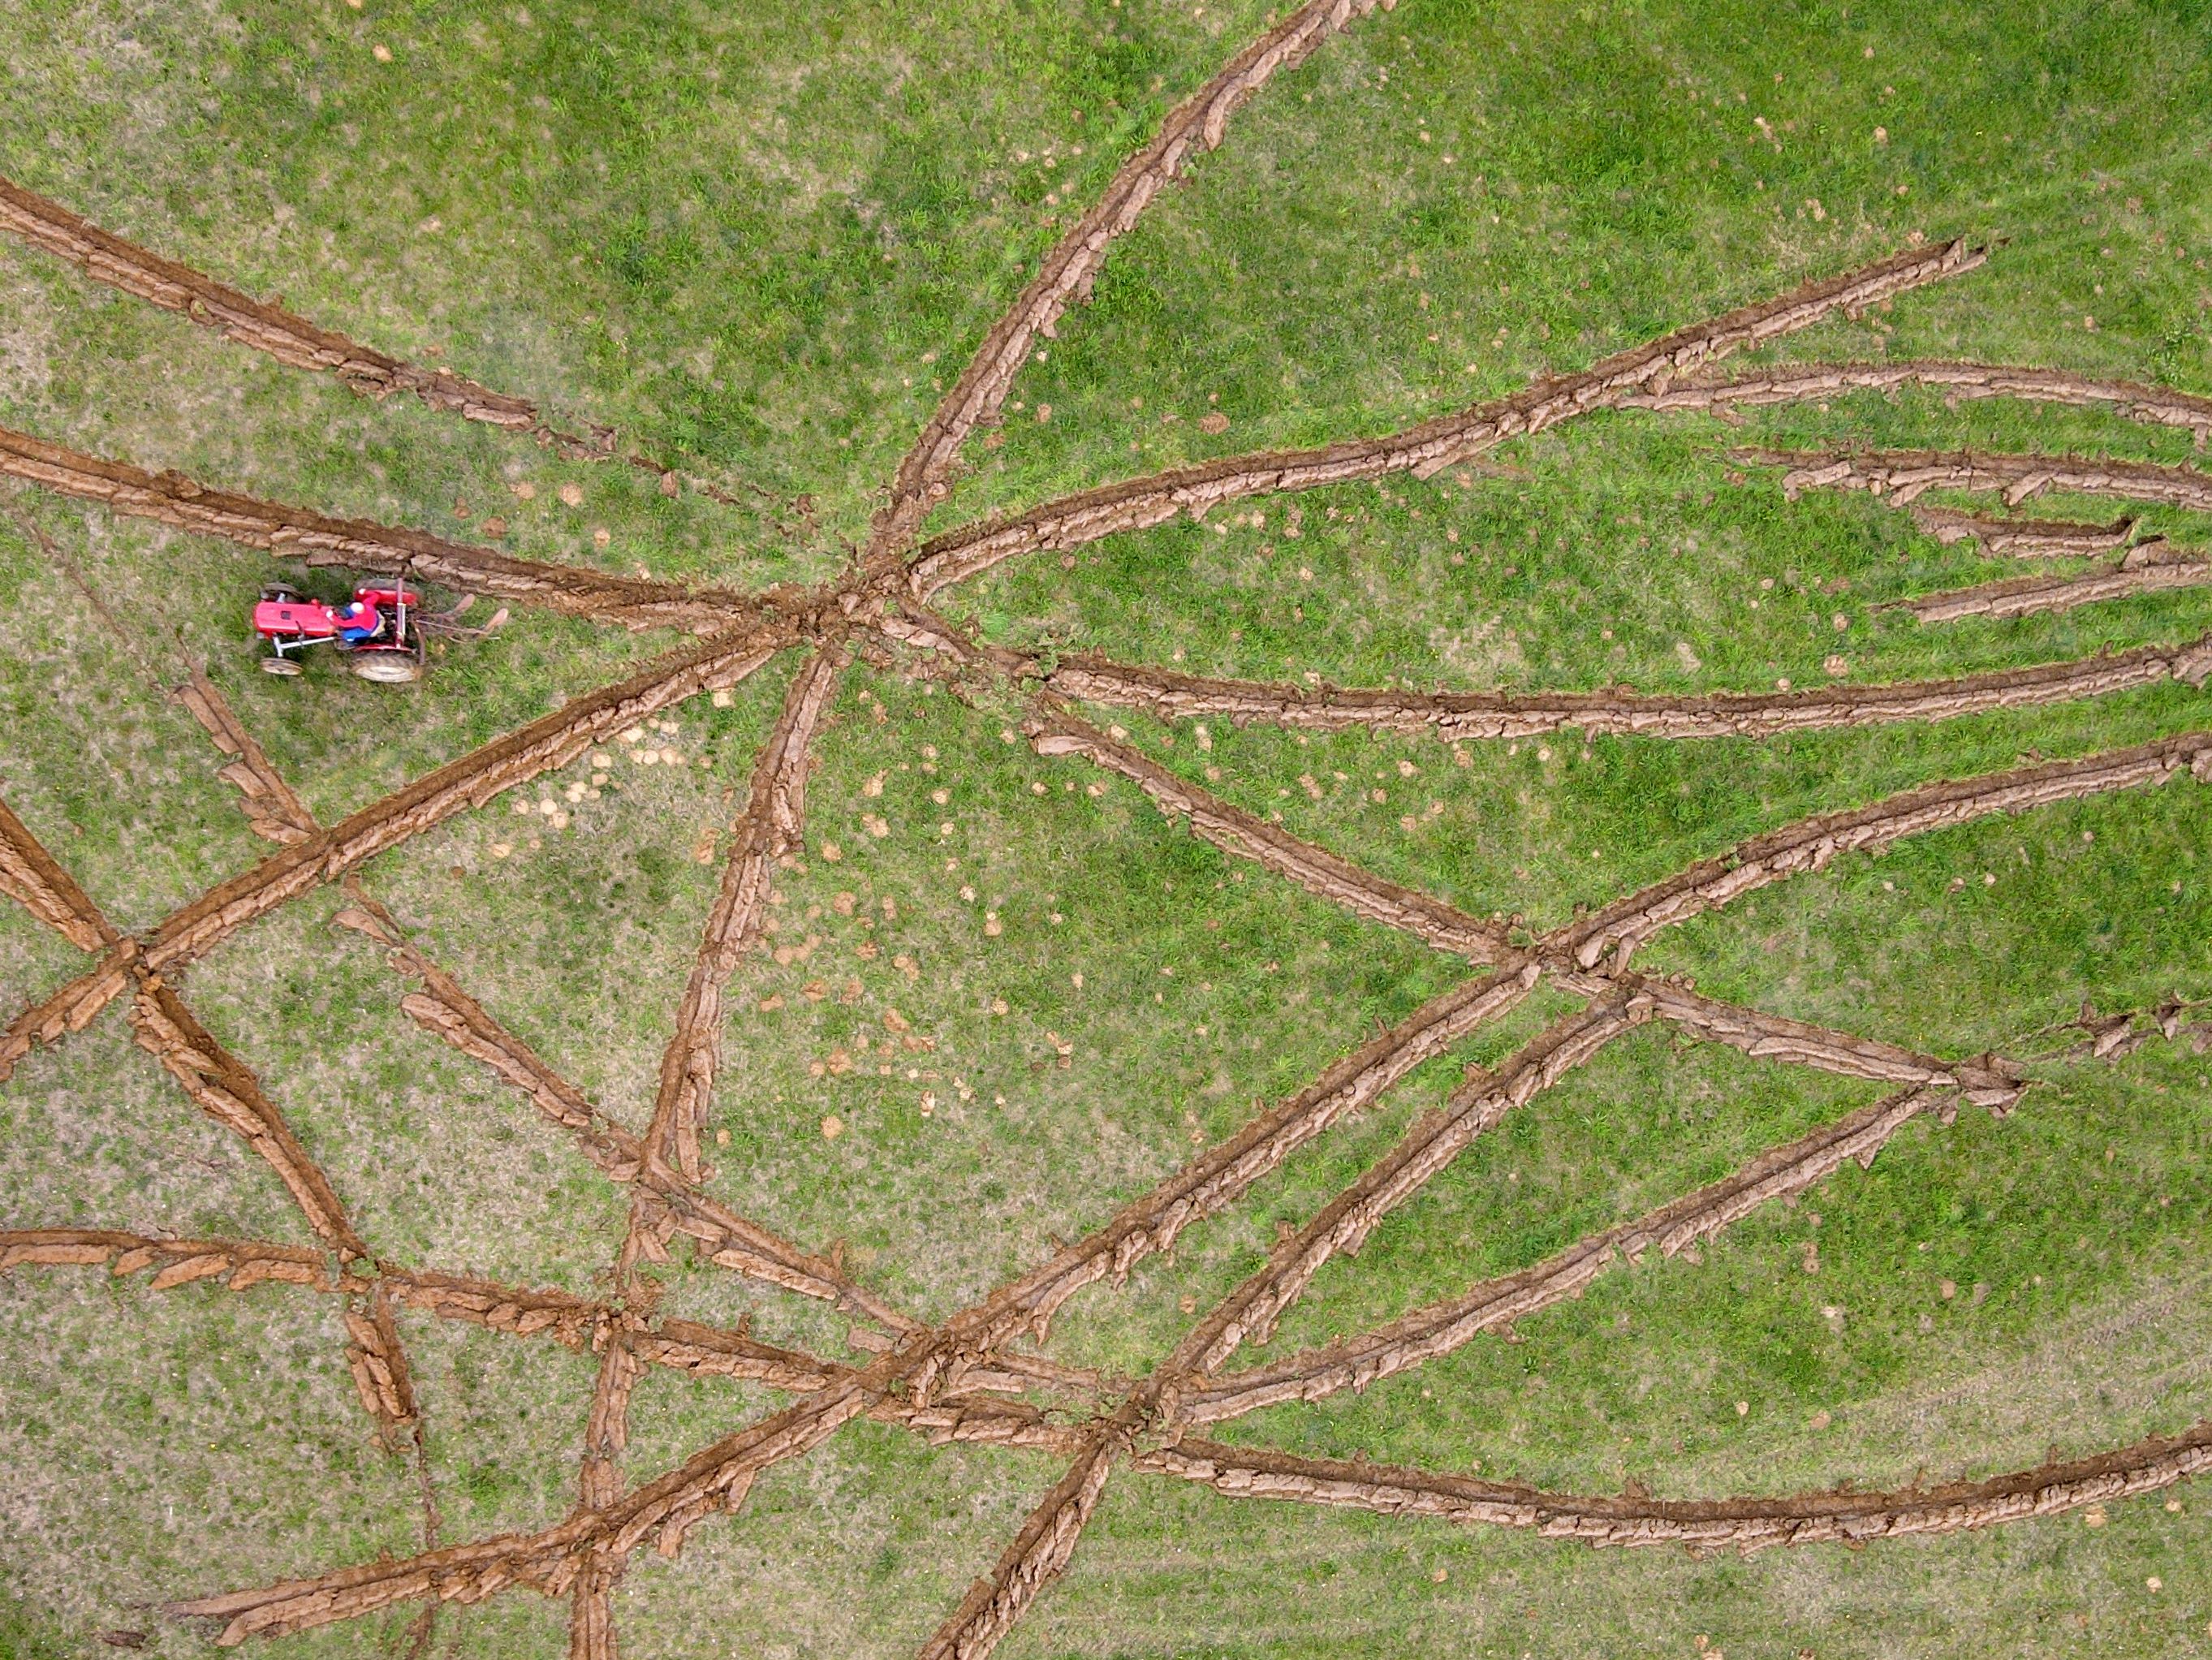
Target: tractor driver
<point x="357" y="620"/>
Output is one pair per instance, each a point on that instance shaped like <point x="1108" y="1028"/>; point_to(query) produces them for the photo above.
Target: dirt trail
<point x="1902" y="476"/>
<point x="444" y="1009"/>
<point x="484" y="773"/>
<point x="770" y="827"/>
<point x="1798" y="383"/>
<point x="1136" y="503"/>
<point x="1811" y="843"/>
<point x="1171" y="696"/>
<point x="1249" y="1313"/>
<point x="1494" y="1305"/>
<point x="1747" y="1523"/>
<point x="2149" y="568"/>
<point x="273" y="810"/>
<point x="1193" y="127"/>
<point x="34" y="879"/>
<point x="295" y="532"/>
<point x="1054" y="729"/>
<point x="2024" y="539"/>
<point x="1039" y="1553"/>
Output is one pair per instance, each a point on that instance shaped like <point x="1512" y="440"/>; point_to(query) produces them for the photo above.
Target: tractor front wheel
<point x="284" y="666"/>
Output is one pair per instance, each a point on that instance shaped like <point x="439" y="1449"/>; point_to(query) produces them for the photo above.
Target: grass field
<point x="990" y="995"/>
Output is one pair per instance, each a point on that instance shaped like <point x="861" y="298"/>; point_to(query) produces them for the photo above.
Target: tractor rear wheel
<point x="388" y="668"/>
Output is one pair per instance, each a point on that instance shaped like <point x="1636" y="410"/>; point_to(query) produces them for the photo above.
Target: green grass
<point x="760" y="242"/>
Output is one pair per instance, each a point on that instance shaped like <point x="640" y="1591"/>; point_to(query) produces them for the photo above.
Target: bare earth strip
<point x="1171" y="696"/>
<point x="770" y="826"/>
<point x="1056" y="730"/>
<point x="1194" y="126"/>
<point x="1798" y="383"/>
<point x="1902" y="476"/>
<point x="2030" y="594"/>
<point x="1087" y="516"/>
<point x="1747" y="1523"/>
<point x="295" y="532"/>
<point x="1812" y="844"/>
<point x="1495" y="1305"/>
<point x="2024" y="539"/>
<point x="290" y="339"/>
<point x="551" y="741"/>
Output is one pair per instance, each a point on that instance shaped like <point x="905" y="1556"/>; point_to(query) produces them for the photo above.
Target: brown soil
<point x="1799" y="383"/>
<point x="292" y="532"/>
<point x="1493" y="1305"/>
<point x="1747" y="1524"/>
<point x="1428" y="449"/>
<point x="933" y="1380"/>
<point x="1812" y="844"/>
<point x="1054" y="729"/>
<point x="2142" y="571"/>
<point x="1171" y="696"/>
<point x="2024" y="539"/>
<point x="1901" y="478"/>
<point x="1193" y="126"/>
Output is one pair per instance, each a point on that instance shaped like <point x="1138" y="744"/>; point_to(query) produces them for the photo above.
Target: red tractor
<point x="379" y="629"/>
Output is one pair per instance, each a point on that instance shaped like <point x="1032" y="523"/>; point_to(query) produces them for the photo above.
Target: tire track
<point x="1424" y="450"/>
<point x="1811" y="844"/>
<point x="1170" y="696"/>
<point x="1193" y="126"/>
<point x="551" y="741"/>
<point x="1054" y="729"/>
<point x="1745" y="1524"/>
<point x="295" y="532"/>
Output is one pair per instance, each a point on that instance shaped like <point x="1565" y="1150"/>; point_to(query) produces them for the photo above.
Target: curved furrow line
<point x="1134" y="504"/>
<point x="1171" y="696"/>
<point x="1902" y="476"/>
<point x="295" y="532"/>
<point x="1745" y="1524"/>
<point x="1193" y="126"/>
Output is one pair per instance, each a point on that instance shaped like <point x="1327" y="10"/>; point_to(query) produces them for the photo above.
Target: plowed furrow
<point x="295" y="532"/>
<point x="1039" y="1553"/>
<point x="552" y="740"/>
<point x="443" y="1008"/>
<point x="1797" y="383"/>
<point x="1902" y="476"/>
<point x="273" y="810"/>
<point x="1223" y="1173"/>
<point x="1745" y="1524"/>
<point x="1170" y="696"/>
<point x="2024" y="539"/>
<point x="34" y="879"/>
<point x="290" y="339"/>
<point x="72" y="1008"/>
<point x="1811" y="843"/>
<point x="770" y="828"/>
<point x="1193" y="126"/>
<point x="575" y="1322"/>
<point x="1249" y="1313"/>
<point x="1493" y="1305"/>
<point x="1055" y="730"/>
<point x="1988" y="1080"/>
<point x="1136" y="503"/>
<point x="2028" y="595"/>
